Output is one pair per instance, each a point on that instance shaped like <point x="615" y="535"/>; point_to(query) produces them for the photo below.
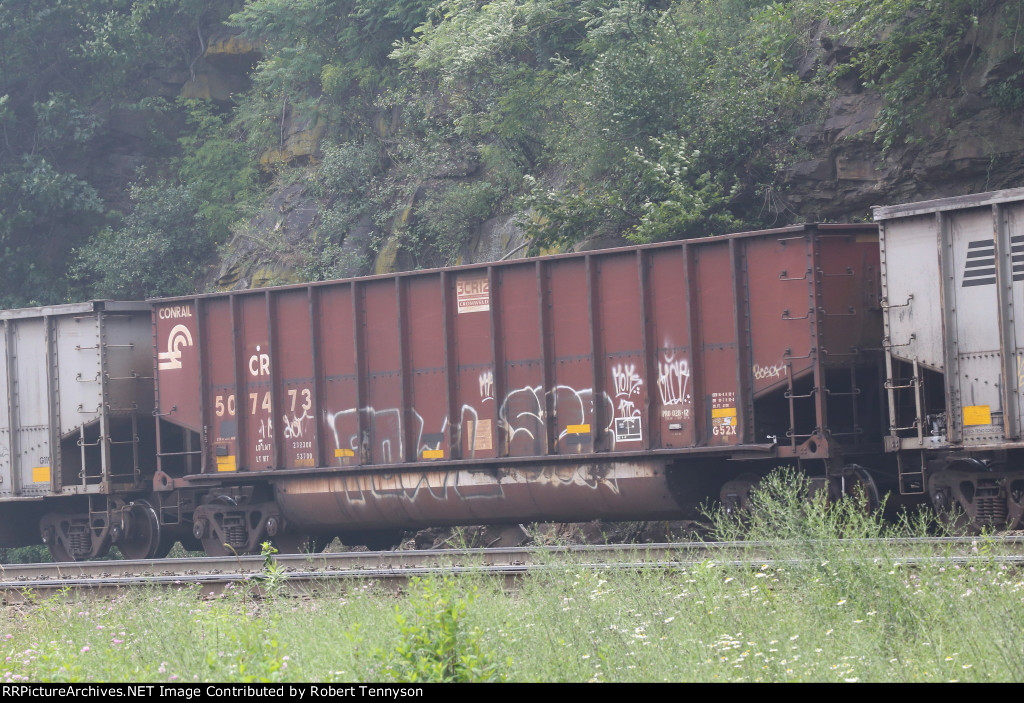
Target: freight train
<point x="623" y="384"/>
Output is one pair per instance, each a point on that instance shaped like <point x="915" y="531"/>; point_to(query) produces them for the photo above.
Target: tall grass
<point x="817" y="609"/>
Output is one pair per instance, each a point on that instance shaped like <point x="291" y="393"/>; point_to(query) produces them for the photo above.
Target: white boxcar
<point x="953" y="298"/>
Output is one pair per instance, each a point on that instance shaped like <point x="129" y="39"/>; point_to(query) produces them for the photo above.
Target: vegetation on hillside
<point x="644" y="119"/>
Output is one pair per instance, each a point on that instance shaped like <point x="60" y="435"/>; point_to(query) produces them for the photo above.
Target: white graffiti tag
<point x="774" y="371"/>
<point x="487" y="385"/>
<point x="673" y="379"/>
<point x="626" y="380"/>
<point x="628" y="422"/>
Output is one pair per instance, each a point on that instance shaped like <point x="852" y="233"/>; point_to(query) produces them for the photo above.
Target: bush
<point x="436" y="646"/>
<point x="158" y="249"/>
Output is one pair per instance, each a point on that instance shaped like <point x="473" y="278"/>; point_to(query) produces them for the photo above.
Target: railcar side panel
<point x="849" y="301"/>
<point x="669" y="330"/>
<point x="562" y="387"/>
<point x="176" y="336"/>
<point x="258" y="450"/>
<point x="338" y="309"/>
<point x="224" y="401"/>
<point x="472" y="347"/>
<point x="294" y="378"/>
<point x="660" y="348"/>
<point x="952" y="278"/>
<point x="579" y="415"/>
<point x="1012" y="256"/>
<point x="32" y="411"/>
<point x="716" y="310"/>
<point x="621" y="342"/>
<point x="518" y="384"/>
<point x="779" y="292"/>
<point x="424" y="372"/>
<point x="7" y="434"/>
<point x="76" y="382"/>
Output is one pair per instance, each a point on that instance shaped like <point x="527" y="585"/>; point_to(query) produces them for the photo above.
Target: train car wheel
<point x="166" y="544"/>
<point x="141" y="539"/>
<point x="858" y="483"/>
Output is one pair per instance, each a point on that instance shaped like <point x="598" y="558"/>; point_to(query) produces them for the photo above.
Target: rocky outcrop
<point x="223" y="68"/>
<point x="975" y="151"/>
<point x="272" y="248"/>
<point x="966" y="143"/>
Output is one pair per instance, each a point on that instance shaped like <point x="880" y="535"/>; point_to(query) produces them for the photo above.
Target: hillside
<point x="158" y="147"/>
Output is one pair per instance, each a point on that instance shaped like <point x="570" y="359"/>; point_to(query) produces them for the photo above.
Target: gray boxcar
<point x="77" y="425"/>
<point x="953" y="297"/>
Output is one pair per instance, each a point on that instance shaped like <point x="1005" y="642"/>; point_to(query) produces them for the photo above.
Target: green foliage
<point x="218" y="169"/>
<point x="1009" y="92"/>
<point x="677" y="203"/>
<point x="492" y="63"/>
<point x="32" y="554"/>
<point x="783" y="507"/>
<point x="349" y="183"/>
<point x="436" y="645"/>
<point x="560" y="218"/>
<point x="158" y="249"/>
<point x="630" y="118"/>
<point x="323" y="58"/>
<point x="673" y="117"/>
<point x="445" y="220"/>
<point x="64" y="68"/>
<point x="274" y="575"/>
<point x="909" y="50"/>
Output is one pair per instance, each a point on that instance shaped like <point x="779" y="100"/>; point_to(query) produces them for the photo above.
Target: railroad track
<point x="307" y="572"/>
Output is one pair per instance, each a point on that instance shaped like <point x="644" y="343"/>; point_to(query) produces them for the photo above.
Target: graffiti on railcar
<point x="628" y="416"/>
<point x="673" y="379"/>
<point x="771" y="371"/>
<point x="360" y="490"/>
<point x="487" y="385"/>
<point x="522" y="416"/>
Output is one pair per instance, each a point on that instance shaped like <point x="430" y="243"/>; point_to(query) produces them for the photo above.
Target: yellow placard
<point x="344" y="452"/>
<point x="40" y="474"/>
<point x="977" y="415"/>
<point x="578" y="429"/>
<point x="226" y="463"/>
<point x="433" y="454"/>
<point x="723" y="412"/>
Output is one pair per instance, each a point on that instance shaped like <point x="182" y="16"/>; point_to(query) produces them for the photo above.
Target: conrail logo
<point x="179" y="338"/>
<point x="980" y="267"/>
<point x="175" y="311"/>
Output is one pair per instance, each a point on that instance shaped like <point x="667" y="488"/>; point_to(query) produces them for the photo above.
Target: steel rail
<point x="302" y="570"/>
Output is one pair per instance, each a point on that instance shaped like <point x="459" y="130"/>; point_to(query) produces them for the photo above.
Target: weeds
<point x="436" y="645"/>
<point x="274" y="575"/>
<point x="818" y="608"/>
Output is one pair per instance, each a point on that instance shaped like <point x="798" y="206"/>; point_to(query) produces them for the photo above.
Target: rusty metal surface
<point x="662" y="348"/>
<point x="505" y="493"/>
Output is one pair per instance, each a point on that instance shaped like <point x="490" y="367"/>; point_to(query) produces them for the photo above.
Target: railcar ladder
<point x="911" y="478"/>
